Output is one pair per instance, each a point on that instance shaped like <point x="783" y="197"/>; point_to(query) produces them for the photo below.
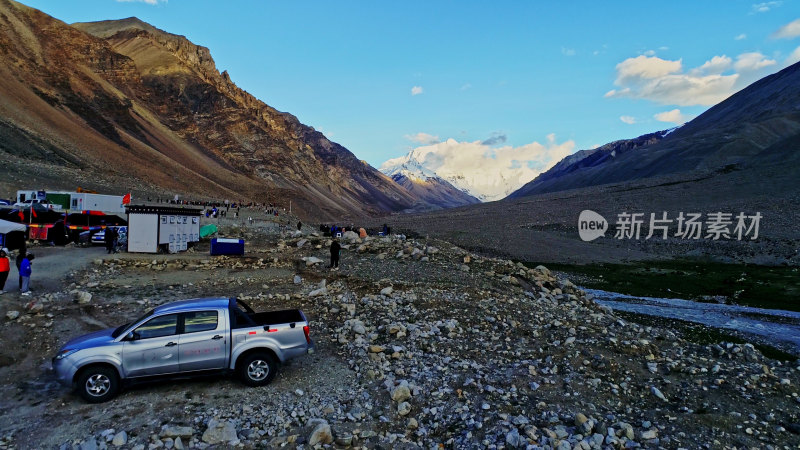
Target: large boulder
<point x="220" y="432"/>
<point x="351" y="236"/>
<point x="321" y="434"/>
<point x="401" y="393"/>
<point x="83" y="297"/>
<point x="312" y="260"/>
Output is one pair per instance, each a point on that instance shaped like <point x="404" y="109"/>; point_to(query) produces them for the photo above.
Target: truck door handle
<point x="170" y="344"/>
<point x="217" y="337"/>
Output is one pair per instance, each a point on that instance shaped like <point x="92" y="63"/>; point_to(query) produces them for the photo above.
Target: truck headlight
<point x="64" y="353"/>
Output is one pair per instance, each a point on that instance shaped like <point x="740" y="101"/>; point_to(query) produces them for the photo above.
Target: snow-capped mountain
<point x="424" y="163"/>
<point x="433" y="191"/>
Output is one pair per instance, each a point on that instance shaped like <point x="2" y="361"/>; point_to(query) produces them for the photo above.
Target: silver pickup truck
<point x="180" y="338"/>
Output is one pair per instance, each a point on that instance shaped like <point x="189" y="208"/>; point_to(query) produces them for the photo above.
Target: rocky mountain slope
<point x="603" y="155"/>
<point x="433" y="191"/>
<point x="748" y="129"/>
<point x="123" y="106"/>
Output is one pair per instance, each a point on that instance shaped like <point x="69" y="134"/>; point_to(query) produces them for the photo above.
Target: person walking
<point x="5" y="268"/>
<point x="109" y="237"/>
<point x="25" y="273"/>
<point x="336" y="248"/>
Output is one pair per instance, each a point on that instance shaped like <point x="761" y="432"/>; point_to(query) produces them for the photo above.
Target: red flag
<point x="33" y="211"/>
<point x="21" y="215"/>
<point x="126" y="200"/>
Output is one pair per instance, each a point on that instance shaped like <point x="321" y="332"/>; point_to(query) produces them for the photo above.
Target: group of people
<point x="336" y="247"/>
<point x="334" y="230"/>
<point x="23" y="263"/>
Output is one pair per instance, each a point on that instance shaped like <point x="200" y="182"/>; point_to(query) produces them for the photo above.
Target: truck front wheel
<point x="98" y="384"/>
<point x="257" y="369"/>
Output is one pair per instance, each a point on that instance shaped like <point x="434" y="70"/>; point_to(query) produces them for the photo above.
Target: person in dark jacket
<point x="299" y="226"/>
<point x="335" y="250"/>
<point x="110" y="237"/>
<point x="25" y="273"/>
<point x="20" y="256"/>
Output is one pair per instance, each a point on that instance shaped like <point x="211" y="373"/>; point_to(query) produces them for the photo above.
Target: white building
<point x="76" y="201"/>
<point x="169" y="228"/>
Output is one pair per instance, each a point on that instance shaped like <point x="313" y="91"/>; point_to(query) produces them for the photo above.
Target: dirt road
<point x="53" y="264"/>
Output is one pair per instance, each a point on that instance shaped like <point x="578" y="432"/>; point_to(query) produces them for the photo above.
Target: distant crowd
<point x="337" y="231"/>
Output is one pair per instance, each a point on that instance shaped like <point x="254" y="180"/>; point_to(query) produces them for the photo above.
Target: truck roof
<point x="194" y="303"/>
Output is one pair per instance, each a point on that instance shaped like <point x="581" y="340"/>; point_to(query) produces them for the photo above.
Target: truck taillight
<point x="306" y="331"/>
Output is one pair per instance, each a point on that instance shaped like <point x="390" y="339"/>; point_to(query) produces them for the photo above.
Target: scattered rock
<point x="657" y="393"/>
<point x="176" y="431"/>
<point x="404" y="408"/>
<point x="220" y="432"/>
<point x="401" y="393"/>
<point x="321" y="434"/>
<point x="120" y="439"/>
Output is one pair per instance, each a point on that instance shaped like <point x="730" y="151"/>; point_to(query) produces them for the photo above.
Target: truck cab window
<point x="194" y="322"/>
<point x="158" y="327"/>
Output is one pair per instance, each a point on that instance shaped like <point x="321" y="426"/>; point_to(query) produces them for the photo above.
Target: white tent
<point x="7" y="227"/>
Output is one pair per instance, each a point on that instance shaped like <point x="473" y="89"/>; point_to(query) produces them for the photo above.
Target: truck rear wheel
<point x="98" y="384"/>
<point x="257" y="369"/>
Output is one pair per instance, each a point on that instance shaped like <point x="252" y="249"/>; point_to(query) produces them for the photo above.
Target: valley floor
<point x="544" y="228"/>
<point x="419" y="343"/>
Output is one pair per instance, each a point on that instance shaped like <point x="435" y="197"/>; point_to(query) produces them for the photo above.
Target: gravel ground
<point x="420" y="344"/>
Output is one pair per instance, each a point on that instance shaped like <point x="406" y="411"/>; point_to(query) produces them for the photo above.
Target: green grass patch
<point x="759" y="286"/>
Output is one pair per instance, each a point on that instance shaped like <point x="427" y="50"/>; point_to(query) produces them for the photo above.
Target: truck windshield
<point x="122" y="328"/>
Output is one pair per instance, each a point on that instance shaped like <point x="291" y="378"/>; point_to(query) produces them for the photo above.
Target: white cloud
<point x="486" y="172"/>
<point x="713" y="66"/>
<point x="567" y="51"/>
<point x="666" y="82"/>
<point x="661" y="80"/>
<point x="675" y="116"/>
<point x="466" y="87"/>
<point x="628" y="119"/>
<point x="416" y="90"/>
<point x="423" y="138"/>
<point x="765" y="6"/>
<point x="740" y="37"/>
<point x="789" y="31"/>
<point x="649" y="53"/>
<point x="753" y="61"/>
<point x="645" y="67"/>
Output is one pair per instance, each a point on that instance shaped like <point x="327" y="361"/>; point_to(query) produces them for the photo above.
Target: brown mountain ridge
<point x="120" y="105"/>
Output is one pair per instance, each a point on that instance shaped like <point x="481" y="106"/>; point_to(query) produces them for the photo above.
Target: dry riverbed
<point x="419" y="343"/>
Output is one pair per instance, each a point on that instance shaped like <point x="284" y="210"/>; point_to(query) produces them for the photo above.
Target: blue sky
<point x="382" y="78"/>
